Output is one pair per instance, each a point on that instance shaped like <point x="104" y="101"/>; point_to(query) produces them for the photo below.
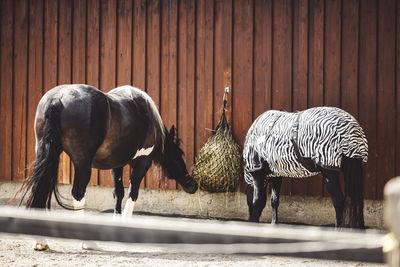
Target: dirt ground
<point x="16" y="250"/>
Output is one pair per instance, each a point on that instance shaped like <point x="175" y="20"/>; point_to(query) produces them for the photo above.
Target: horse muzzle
<point x="190" y="187"/>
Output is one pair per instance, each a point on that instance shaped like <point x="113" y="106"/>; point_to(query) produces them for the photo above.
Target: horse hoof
<point x="117" y="216"/>
<point x="89" y="245"/>
<point x="41" y="247"/>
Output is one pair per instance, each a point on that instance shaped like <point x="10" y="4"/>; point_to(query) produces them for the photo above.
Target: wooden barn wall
<point x="278" y="54"/>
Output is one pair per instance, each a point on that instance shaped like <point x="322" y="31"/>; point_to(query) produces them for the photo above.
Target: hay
<point x="218" y="167"/>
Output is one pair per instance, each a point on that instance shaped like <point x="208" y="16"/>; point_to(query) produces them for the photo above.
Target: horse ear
<point x="172" y="131"/>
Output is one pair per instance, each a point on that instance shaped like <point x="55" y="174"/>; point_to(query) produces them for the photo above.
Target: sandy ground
<point x="16" y="250"/>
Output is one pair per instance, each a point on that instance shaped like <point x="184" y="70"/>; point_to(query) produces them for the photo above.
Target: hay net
<point x="218" y="167"/>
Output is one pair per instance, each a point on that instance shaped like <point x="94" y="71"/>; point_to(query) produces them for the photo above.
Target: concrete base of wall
<point x="292" y="209"/>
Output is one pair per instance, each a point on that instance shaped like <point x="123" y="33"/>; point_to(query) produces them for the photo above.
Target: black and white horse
<point x="323" y="140"/>
<point x="104" y="131"/>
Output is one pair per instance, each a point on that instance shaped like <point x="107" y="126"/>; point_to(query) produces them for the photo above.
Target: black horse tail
<point x="40" y="185"/>
<point x="353" y="215"/>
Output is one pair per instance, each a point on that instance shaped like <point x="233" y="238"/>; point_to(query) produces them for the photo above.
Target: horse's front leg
<point x="140" y="167"/>
<point x="259" y="196"/>
<point x="118" y="192"/>
<point x="275" y="192"/>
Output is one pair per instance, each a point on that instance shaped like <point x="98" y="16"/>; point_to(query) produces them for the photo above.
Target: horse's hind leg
<point x="331" y="180"/>
<point x="353" y="214"/>
<point x="118" y="189"/>
<point x="140" y="167"/>
<point x="259" y="195"/>
<point x="81" y="180"/>
<point x="275" y="192"/>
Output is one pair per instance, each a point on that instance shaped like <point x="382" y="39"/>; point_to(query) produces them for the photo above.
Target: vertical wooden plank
<point x="153" y="73"/>
<point x="124" y="54"/>
<point x="204" y="74"/>
<point x="316" y="53"/>
<point x="222" y="56"/>
<point x="386" y="92"/>
<point x="169" y="67"/>
<point x="6" y="86"/>
<point x="20" y="71"/>
<point x="186" y="74"/>
<point x="282" y="62"/>
<point x="64" y="70"/>
<point x="139" y="44"/>
<point x="300" y="74"/>
<point x="398" y="89"/>
<point x="282" y="55"/>
<point x="124" y="42"/>
<point x="316" y="49"/>
<point x="78" y="48"/>
<point x="262" y="57"/>
<point x="35" y="72"/>
<point x="92" y="57"/>
<point x="107" y="59"/>
<point x="316" y="72"/>
<point x="350" y="56"/>
<point x="242" y="90"/>
<point x="300" y="54"/>
<point x="50" y="44"/>
<point x="79" y="42"/>
<point x="139" y="49"/>
<point x="367" y="90"/>
<point x="332" y="53"/>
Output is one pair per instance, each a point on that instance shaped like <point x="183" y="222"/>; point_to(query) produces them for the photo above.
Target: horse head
<point x="173" y="163"/>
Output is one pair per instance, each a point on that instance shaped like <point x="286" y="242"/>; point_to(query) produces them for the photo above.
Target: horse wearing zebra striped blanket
<point x="323" y="140"/>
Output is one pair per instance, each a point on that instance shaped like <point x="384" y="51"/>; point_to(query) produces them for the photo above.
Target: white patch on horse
<point x="87" y="245"/>
<point x="79" y="204"/>
<point x="40" y="244"/>
<point x="143" y="152"/>
<point x="128" y="210"/>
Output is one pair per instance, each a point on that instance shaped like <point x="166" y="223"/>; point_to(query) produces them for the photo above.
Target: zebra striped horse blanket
<point x="288" y="142"/>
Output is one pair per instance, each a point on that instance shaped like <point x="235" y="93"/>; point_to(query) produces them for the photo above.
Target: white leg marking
<point x="143" y="152"/>
<point x="128" y="210"/>
<point x="40" y="244"/>
<point x="88" y="245"/>
<point x="79" y="204"/>
<point x="116" y="216"/>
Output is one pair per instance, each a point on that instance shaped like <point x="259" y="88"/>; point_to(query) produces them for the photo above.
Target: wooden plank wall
<point x="280" y="54"/>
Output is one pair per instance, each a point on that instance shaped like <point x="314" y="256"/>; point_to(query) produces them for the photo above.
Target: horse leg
<point x="249" y="195"/>
<point x="81" y="180"/>
<point x="275" y="192"/>
<point x="353" y="214"/>
<point x="331" y="180"/>
<point x="259" y="195"/>
<point x="118" y="189"/>
<point x="140" y="167"/>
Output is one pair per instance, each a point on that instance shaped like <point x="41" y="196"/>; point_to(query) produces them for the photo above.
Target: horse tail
<point x="39" y="186"/>
<point x="353" y="187"/>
